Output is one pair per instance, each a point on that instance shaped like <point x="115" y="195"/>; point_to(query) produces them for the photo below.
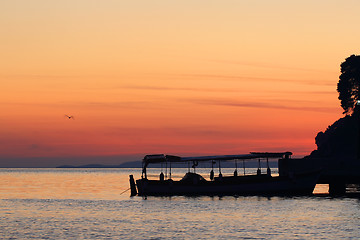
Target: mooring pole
<point x="337" y="188"/>
<point x="132" y="186"/>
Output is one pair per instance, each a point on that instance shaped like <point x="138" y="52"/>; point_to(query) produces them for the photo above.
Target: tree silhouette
<point x="349" y="83"/>
<point x="341" y="140"/>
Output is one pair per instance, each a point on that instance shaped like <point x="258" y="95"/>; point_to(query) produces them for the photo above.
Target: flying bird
<point x="70" y="117"/>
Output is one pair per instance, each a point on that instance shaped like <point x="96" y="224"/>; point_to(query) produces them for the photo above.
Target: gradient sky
<point x="175" y="77"/>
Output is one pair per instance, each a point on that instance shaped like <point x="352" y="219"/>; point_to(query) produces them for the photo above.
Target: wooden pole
<point x="132" y="186"/>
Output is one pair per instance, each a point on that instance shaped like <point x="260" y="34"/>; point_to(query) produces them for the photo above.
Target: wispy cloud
<point x="270" y="66"/>
<point x="254" y="78"/>
<point x="158" y="88"/>
<point x="166" y="88"/>
<point x="263" y="105"/>
<point x="150" y="104"/>
<point x="199" y="132"/>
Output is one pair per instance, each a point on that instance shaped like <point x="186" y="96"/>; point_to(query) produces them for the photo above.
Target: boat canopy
<point x="159" y="158"/>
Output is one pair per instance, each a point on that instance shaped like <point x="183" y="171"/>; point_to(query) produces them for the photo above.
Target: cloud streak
<point x="230" y="90"/>
<point x="270" y="66"/>
<point x="160" y="88"/>
<point x="262" y="105"/>
<point x="251" y="78"/>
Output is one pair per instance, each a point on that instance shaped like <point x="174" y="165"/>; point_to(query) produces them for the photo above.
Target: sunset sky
<point x="175" y="77"/>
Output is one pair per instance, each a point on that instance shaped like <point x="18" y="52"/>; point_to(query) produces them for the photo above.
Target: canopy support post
<point x="268" y="171"/>
<point x="170" y="170"/>
<point x="235" y="172"/>
<point x="166" y="170"/>
<point x="244" y="166"/>
<point x="220" y="174"/>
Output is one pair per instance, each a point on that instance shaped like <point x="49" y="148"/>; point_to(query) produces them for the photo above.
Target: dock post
<point x="132" y="186"/>
<point x="337" y="188"/>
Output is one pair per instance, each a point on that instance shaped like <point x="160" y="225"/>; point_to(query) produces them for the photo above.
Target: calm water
<point x="87" y="204"/>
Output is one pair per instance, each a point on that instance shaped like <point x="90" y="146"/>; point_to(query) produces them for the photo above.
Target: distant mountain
<point x="135" y="164"/>
<point x="138" y="164"/>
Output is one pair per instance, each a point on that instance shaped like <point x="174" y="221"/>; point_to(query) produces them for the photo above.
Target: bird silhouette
<point x="70" y="117"/>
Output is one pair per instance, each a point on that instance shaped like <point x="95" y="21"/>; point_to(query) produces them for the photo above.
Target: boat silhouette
<point x="297" y="183"/>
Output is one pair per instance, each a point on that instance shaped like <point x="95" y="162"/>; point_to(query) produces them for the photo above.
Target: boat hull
<point x="300" y="184"/>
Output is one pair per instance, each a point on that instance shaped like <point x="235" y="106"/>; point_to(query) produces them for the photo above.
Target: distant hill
<point x="138" y="164"/>
<point x="134" y="164"/>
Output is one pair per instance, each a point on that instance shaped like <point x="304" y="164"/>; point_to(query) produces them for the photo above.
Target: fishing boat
<point x="289" y="183"/>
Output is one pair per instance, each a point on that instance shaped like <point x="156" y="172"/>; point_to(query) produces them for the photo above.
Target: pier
<point x="337" y="172"/>
<point x="337" y="155"/>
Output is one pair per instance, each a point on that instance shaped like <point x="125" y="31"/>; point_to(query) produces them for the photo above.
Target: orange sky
<point x="175" y="77"/>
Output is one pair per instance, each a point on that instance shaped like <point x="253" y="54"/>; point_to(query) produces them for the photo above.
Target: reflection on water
<point x="104" y="184"/>
<point x="86" y="204"/>
<point x="63" y="184"/>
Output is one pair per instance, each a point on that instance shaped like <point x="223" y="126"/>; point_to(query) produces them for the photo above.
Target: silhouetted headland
<point x="338" y="147"/>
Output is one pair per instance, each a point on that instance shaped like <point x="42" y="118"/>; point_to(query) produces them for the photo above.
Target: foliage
<point x="339" y="140"/>
<point x="349" y="83"/>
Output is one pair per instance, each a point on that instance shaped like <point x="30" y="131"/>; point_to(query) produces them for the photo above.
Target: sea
<point x="96" y="204"/>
